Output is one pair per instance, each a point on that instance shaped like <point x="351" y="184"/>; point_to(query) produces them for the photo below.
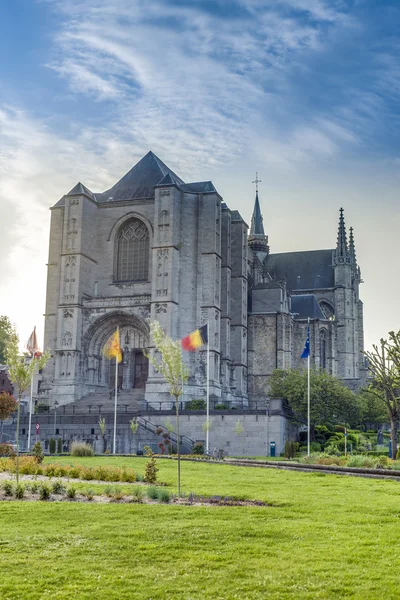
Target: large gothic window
<point x="133" y="252"/>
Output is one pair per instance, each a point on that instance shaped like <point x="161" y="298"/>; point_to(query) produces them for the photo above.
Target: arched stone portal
<point x="134" y="339"/>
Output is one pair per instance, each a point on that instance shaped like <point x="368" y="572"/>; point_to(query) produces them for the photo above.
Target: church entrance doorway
<point x="140" y="370"/>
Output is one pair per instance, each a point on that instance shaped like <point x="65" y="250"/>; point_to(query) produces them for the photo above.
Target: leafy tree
<point x="8" y="405"/>
<point x="384" y="365"/>
<point x="371" y="407"/>
<point x="6" y="331"/>
<point x="330" y="400"/>
<point x="21" y="373"/>
<point x="168" y="362"/>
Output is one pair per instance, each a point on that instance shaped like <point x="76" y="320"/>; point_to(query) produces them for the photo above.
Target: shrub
<point x="150" y="474"/>
<point x="28" y="465"/>
<point x="59" y="446"/>
<point x="44" y="491"/>
<point x="34" y="487"/>
<point x="38" y="452"/>
<point x="89" y="493"/>
<point x="221" y="406"/>
<point x="164" y="495"/>
<point x="108" y="491"/>
<point x="198" y="448"/>
<point x="71" y="492"/>
<point x="118" y="493"/>
<point x="153" y="492"/>
<point x="19" y="491"/>
<point x="74" y="472"/>
<point x="139" y="477"/>
<point x="58" y="487"/>
<point x="81" y="449"/>
<point x="6" y="450"/>
<point x="195" y="405"/>
<point x="315" y="447"/>
<point x="128" y="475"/>
<point x="8" y="488"/>
<point x="137" y="494"/>
<point x="52" y="446"/>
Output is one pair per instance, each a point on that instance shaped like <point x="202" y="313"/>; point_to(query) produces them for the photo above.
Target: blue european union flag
<point x="306" y="350"/>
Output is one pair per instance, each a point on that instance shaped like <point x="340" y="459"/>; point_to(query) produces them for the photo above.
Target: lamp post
<point x="55" y="416"/>
<point x="267" y="404"/>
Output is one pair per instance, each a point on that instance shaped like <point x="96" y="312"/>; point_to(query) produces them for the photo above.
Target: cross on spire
<point x="256" y="181"/>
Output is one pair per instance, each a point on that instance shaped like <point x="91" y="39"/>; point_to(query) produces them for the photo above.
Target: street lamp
<point x="267" y="404"/>
<point x="55" y="416"/>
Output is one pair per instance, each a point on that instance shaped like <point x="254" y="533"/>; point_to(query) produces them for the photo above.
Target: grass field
<point x="324" y="536"/>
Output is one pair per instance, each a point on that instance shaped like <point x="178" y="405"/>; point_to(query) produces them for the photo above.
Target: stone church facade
<point x="155" y="247"/>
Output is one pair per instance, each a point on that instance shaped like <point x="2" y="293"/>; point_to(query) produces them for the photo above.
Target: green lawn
<point x="325" y="536"/>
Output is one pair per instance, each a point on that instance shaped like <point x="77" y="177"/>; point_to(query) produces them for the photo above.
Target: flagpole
<point x="30" y="414"/>
<point x="115" y="398"/>
<point x="308" y="391"/>
<point x="208" y="391"/>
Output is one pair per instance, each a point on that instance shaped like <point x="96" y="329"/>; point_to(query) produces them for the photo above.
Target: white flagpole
<point x="208" y="392"/>
<point x="115" y="399"/>
<point x="30" y="414"/>
<point x="308" y="389"/>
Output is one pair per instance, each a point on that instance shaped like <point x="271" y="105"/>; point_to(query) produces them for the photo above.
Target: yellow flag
<point x="112" y="348"/>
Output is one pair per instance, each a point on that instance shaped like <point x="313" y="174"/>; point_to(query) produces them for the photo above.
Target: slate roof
<point x="199" y="187"/>
<point x="139" y="182"/>
<point x="80" y="190"/>
<point x="257" y="227"/>
<point x="304" y="270"/>
<point x="306" y="305"/>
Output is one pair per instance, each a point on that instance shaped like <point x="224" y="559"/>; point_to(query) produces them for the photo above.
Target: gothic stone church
<point x="155" y="247"/>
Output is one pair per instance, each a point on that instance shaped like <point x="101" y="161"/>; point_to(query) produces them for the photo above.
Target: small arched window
<point x="133" y="252"/>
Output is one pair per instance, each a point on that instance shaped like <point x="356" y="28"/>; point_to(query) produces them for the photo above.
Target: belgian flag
<point x="196" y="339"/>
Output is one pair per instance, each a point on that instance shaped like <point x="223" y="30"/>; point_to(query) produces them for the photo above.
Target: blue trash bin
<point x="272" y="449"/>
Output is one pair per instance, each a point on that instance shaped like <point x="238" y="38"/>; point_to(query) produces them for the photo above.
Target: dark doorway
<point x="141" y="369"/>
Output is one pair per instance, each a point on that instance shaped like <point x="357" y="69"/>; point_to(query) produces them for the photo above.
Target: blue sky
<point x="306" y="92"/>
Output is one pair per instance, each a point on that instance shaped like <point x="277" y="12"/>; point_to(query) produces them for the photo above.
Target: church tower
<point x="346" y="309"/>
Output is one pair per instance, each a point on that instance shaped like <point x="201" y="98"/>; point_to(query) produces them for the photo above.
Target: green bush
<point x="89" y="493"/>
<point x="81" y="449"/>
<point x="8" y="488"/>
<point x="19" y="491"/>
<point x="34" y="487"/>
<point x="52" y="446"/>
<point x="150" y="474"/>
<point x="195" y="405"/>
<point x="58" y="487"/>
<point x="198" y="448"/>
<point x="71" y="492"/>
<point x="44" y="491"/>
<point x="164" y="495"/>
<point x="221" y="406"/>
<point x="59" y="446"/>
<point x="38" y="452"/>
<point x="153" y="492"/>
<point x="137" y="494"/>
<point x="315" y="447"/>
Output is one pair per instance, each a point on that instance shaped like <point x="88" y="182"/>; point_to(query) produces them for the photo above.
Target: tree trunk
<point x="393" y="436"/>
<point x="178" y="445"/>
<point x="17" y="438"/>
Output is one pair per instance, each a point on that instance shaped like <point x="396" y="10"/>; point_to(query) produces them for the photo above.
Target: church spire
<point x="258" y="241"/>
<point x="342" y="250"/>
<point x="352" y="249"/>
